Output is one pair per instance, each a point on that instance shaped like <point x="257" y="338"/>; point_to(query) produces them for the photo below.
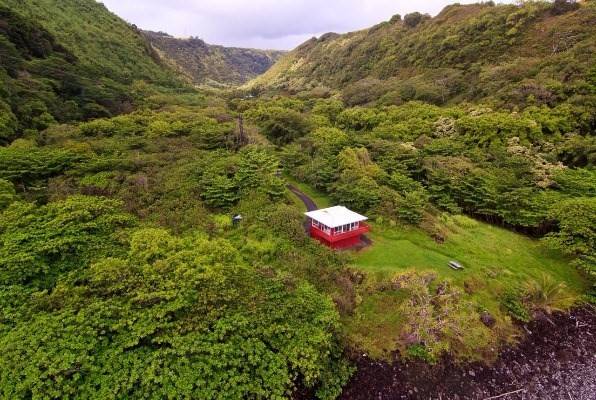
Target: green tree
<point x="283" y="126"/>
<point x="329" y="140"/>
<point x="358" y="119"/>
<point x="576" y="220"/>
<point x="413" y="19"/>
<point x="159" y="128"/>
<point x="38" y="244"/>
<point x="219" y="191"/>
<point x="7" y="193"/>
<point x="26" y="166"/>
<point x="257" y="170"/>
<point x="8" y="123"/>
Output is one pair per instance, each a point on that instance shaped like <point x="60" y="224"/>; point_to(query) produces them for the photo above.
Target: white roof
<point x="335" y="216"/>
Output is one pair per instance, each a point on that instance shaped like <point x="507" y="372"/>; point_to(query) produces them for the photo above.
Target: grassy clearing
<point x="495" y="260"/>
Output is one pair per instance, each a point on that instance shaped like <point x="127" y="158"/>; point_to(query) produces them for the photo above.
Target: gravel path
<point x="308" y="202"/>
<point x="556" y="361"/>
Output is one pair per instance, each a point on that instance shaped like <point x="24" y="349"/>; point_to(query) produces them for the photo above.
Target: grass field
<point x="484" y="250"/>
<point x="495" y="261"/>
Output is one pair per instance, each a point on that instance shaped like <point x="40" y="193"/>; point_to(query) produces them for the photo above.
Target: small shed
<point x="337" y="227"/>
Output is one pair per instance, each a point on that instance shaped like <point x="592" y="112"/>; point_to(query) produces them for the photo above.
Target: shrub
<point x="364" y="91"/>
<point x="395" y="19"/>
<point x="439" y="320"/>
<point x="513" y="303"/>
<point x="420" y="352"/>
<point x="547" y="294"/>
<point x="564" y="6"/>
<point x="7" y="193"/>
<point x="412" y="20"/>
<point x="98" y="127"/>
<point x="358" y="119"/>
<point x="283" y="125"/>
<point x="159" y="128"/>
<point x="8" y="122"/>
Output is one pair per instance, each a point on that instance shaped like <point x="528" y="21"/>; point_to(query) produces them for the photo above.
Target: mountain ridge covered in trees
<point x="68" y="62"/>
<point x="508" y="55"/>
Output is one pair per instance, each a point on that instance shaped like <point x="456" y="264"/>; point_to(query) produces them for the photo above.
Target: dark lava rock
<point x="552" y="362"/>
<point x="487" y="319"/>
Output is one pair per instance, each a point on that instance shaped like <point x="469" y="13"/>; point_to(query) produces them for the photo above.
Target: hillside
<point x="534" y="53"/>
<point x="203" y="63"/>
<point x="69" y="60"/>
<point x="124" y="275"/>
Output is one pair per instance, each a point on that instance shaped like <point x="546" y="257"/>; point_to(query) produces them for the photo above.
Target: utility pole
<point x="241" y="138"/>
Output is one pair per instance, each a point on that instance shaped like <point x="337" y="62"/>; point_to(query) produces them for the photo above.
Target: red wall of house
<point x="344" y="243"/>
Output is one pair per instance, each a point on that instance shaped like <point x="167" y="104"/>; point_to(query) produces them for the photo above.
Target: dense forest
<point x="122" y="274"/>
<point x="205" y="64"/>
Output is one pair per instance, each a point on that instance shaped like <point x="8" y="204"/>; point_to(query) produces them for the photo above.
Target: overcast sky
<point x="271" y="24"/>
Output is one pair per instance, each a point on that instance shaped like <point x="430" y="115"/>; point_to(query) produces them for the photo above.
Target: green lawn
<point x="495" y="255"/>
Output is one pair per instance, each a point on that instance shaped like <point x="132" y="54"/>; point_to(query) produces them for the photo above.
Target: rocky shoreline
<point x="555" y="361"/>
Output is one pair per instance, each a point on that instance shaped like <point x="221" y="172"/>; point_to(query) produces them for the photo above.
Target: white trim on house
<point x="334" y="217"/>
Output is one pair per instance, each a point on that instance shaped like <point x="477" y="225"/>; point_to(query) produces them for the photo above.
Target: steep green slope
<point x="202" y="63"/>
<point x="99" y="39"/>
<point x="534" y="53"/>
<point x="68" y="60"/>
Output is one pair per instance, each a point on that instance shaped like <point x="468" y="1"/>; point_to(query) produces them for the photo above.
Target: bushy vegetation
<point x="407" y="167"/>
<point x="50" y="75"/>
<point x="100" y="259"/>
<point x="405" y="162"/>
<point x="122" y="274"/>
<point x="152" y="317"/>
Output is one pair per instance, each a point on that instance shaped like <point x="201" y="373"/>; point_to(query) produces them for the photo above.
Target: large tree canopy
<point x="171" y="318"/>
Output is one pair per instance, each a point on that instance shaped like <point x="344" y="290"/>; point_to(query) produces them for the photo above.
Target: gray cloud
<point x="280" y="24"/>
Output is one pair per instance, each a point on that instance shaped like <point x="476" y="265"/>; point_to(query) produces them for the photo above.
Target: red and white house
<point x="337" y="227"/>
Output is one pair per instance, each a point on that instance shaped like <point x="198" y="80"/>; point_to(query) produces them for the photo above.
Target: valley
<point x="216" y="66"/>
<point x="125" y="155"/>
